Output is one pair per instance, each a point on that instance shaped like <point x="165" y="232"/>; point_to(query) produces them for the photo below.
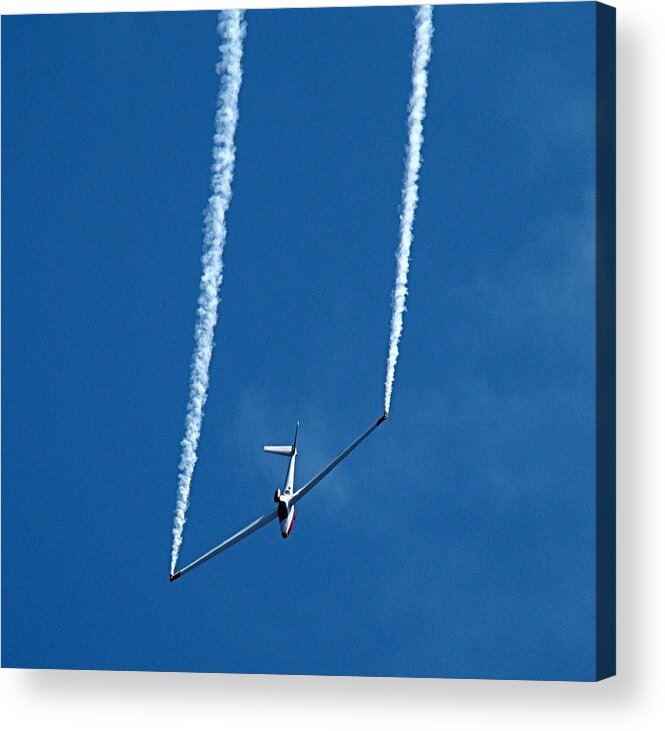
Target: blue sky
<point x="458" y="541"/>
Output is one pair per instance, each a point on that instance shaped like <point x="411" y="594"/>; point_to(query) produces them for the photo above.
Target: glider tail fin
<point x="286" y="451"/>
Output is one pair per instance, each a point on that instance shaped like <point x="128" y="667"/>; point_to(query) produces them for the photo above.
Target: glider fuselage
<point x="286" y="510"/>
<point x="287" y="515"/>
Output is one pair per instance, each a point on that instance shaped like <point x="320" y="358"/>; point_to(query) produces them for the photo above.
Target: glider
<point x="286" y="499"/>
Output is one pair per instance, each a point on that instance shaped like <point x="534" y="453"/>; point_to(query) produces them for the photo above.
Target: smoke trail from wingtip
<point x="231" y="29"/>
<point x="422" y="51"/>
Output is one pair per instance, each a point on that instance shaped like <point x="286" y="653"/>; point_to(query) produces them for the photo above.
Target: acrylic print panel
<point x="470" y="534"/>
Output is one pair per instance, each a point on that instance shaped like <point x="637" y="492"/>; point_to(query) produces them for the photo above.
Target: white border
<point x="107" y="700"/>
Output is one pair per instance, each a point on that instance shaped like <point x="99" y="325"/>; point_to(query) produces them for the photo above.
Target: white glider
<point x="286" y="499"/>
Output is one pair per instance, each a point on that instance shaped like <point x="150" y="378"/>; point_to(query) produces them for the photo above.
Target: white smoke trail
<point x="422" y="51"/>
<point x="231" y="29"/>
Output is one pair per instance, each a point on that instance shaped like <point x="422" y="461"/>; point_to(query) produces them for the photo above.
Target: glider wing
<point x="329" y="468"/>
<point x="235" y="538"/>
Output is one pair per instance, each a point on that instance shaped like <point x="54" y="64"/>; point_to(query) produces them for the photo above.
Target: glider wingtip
<point x="173" y="577"/>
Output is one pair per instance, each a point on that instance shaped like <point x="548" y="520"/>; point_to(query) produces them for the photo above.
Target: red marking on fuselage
<point x="293" y="520"/>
